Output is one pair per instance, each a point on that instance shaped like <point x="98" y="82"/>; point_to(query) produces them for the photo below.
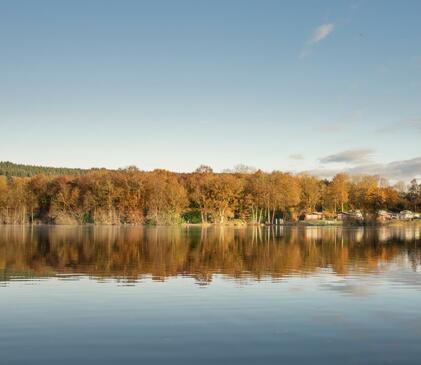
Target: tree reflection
<point x="132" y="253"/>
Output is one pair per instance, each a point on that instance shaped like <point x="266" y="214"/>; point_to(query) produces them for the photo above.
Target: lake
<point x="187" y="295"/>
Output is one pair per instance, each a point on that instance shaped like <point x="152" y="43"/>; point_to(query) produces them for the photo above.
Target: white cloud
<point x="321" y="33"/>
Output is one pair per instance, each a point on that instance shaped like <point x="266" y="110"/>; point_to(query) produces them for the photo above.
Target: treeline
<point x="12" y="169"/>
<point x="131" y="196"/>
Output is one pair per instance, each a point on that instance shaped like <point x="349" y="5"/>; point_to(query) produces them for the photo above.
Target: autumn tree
<point x="16" y="204"/>
<point x="165" y="197"/>
<point x="310" y="193"/>
<point x="339" y="191"/>
<point x="3" y="199"/>
<point x="130" y="195"/>
<point x="255" y="195"/>
<point x="285" y="193"/>
<point x="414" y="194"/>
<point x="392" y="198"/>
<point x="365" y="193"/>
<point x="65" y="206"/>
<point x="37" y="197"/>
<point x="199" y="188"/>
<point x="224" y="191"/>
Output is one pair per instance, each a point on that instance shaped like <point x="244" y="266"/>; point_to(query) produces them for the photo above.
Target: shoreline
<point x="233" y="225"/>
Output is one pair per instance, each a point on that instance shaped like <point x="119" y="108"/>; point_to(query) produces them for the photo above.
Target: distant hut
<point x="351" y="216"/>
<point x="384" y="215"/>
<point x="406" y="215"/>
<point x="313" y="216"/>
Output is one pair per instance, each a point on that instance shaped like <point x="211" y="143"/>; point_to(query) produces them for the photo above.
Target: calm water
<point x="107" y="295"/>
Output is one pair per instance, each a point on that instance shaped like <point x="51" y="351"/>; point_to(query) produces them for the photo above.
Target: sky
<point x="318" y="86"/>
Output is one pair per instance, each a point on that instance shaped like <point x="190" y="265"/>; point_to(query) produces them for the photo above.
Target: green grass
<point x="317" y="222"/>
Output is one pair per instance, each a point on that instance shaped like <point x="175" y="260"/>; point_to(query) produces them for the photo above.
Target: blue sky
<point x="300" y="85"/>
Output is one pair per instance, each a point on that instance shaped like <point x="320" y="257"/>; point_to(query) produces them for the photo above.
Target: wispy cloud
<point x="296" y="156"/>
<point x="413" y="124"/>
<point x="349" y="156"/>
<point x="321" y="32"/>
<point x="331" y="128"/>
<point x="318" y="34"/>
<point x="342" y="124"/>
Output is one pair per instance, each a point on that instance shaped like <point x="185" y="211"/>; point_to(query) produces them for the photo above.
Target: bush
<point x="192" y="216"/>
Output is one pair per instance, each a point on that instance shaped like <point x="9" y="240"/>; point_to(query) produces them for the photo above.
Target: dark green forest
<point x="12" y="169"/>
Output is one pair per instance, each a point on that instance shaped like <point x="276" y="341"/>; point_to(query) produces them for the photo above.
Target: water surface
<point x="106" y="295"/>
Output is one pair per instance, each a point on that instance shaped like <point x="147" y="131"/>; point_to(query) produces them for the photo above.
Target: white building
<point x="406" y="215"/>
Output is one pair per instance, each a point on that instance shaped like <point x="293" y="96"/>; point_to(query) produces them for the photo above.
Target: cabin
<point x="384" y="215"/>
<point x="313" y="216"/>
<point x="406" y="215"/>
<point x="355" y="215"/>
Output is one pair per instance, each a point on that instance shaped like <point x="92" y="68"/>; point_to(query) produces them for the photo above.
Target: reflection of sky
<point x="321" y="317"/>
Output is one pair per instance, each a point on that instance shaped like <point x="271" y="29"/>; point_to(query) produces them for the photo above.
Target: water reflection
<point x="132" y="253"/>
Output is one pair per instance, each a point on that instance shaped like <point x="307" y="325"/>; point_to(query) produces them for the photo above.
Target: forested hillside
<point x="12" y="169"/>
